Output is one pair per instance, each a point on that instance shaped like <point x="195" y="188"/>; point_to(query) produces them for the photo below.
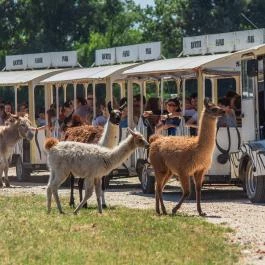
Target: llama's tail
<point x="153" y="138"/>
<point x="49" y="143"/>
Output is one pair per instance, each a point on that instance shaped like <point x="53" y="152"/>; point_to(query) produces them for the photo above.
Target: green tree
<point x="164" y="22"/>
<point x="255" y="12"/>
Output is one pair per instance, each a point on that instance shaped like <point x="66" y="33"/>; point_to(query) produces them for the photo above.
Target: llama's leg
<point x="49" y="193"/>
<point x="89" y="186"/>
<point x="80" y="189"/>
<point x="72" y="186"/>
<point x="98" y="189"/>
<point x="6" y="176"/>
<point x="159" y="194"/>
<point x="54" y="185"/>
<point x="103" y="185"/>
<point x="198" y="179"/>
<point x="185" y="184"/>
<point x="1" y="180"/>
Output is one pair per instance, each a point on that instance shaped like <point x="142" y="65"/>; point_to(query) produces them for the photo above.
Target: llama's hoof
<point x="72" y="204"/>
<point x="85" y="206"/>
<point x="104" y="206"/>
<point x="62" y="212"/>
<point x="75" y="212"/>
<point x="7" y="184"/>
<point x="174" y="211"/>
<point x="202" y="214"/>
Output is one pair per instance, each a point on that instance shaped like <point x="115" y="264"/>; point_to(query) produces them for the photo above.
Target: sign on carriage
<point x="223" y="42"/>
<point x="105" y="56"/>
<point x="41" y="60"/>
<point x="130" y="53"/>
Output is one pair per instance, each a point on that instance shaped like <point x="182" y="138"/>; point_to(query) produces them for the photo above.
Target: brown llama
<point x="185" y="157"/>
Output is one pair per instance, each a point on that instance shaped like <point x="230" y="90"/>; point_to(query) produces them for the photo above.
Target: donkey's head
<point x="213" y="110"/>
<point x="23" y="125"/>
<point x="139" y="139"/>
<point x="115" y="114"/>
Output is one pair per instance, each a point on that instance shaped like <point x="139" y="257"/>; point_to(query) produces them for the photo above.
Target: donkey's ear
<point x="131" y="131"/>
<point x="206" y="102"/>
<point x="122" y="107"/>
<point x="109" y="107"/>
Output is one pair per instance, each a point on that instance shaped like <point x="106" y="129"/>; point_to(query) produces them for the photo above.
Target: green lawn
<point x="119" y="236"/>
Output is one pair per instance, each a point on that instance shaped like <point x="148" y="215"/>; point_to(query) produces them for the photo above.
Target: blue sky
<point x="144" y="3"/>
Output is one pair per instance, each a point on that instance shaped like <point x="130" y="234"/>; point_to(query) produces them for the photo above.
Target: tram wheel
<point x="21" y="172"/>
<point x="255" y="185"/>
<point x="147" y="180"/>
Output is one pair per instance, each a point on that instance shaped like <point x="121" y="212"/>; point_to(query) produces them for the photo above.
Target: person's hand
<point x="147" y="113"/>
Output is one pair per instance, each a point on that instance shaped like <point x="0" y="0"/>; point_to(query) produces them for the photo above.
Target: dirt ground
<point x="224" y="205"/>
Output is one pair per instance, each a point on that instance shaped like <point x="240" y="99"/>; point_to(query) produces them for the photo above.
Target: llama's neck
<point x="207" y="133"/>
<point x="120" y="153"/>
<point x="11" y="135"/>
<point x="110" y="135"/>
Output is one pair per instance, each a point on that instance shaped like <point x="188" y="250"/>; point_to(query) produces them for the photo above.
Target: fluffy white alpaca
<point x="87" y="161"/>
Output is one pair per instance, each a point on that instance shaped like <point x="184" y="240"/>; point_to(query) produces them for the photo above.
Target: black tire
<point x="255" y="185"/>
<point x="106" y="180"/>
<point x="21" y="172"/>
<point x="147" y="180"/>
<point x="139" y="167"/>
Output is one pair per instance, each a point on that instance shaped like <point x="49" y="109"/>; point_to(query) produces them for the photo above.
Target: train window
<point x="247" y="81"/>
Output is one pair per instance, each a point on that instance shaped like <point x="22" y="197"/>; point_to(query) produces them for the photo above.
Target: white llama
<point x="87" y="161"/>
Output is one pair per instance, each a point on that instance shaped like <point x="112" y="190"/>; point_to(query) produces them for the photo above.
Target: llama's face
<point x="139" y="139"/>
<point x="213" y="110"/>
<point x="115" y="115"/>
<point x="24" y="126"/>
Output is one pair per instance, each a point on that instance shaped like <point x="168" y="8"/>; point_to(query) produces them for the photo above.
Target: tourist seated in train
<point x="191" y="115"/>
<point x="82" y="109"/>
<point x="66" y="115"/>
<point x="124" y="114"/>
<point x="151" y="115"/>
<point x="235" y="104"/>
<point x="23" y="109"/>
<point x="6" y="109"/>
<point x="229" y="119"/>
<point x="137" y="107"/>
<point x="51" y="115"/>
<point x="102" y="115"/>
<point x="2" y="114"/>
<point x="41" y="121"/>
<point x="171" y="120"/>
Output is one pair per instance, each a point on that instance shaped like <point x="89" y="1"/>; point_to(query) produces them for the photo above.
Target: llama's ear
<point x="131" y="131"/>
<point x="206" y="102"/>
<point x="109" y="107"/>
<point x="122" y="107"/>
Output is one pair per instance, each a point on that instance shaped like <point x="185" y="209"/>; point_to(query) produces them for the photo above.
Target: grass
<point x="120" y="236"/>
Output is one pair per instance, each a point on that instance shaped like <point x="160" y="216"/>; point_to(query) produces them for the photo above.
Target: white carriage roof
<point x="12" y="78"/>
<point x="85" y="74"/>
<point x="218" y="64"/>
<point x="180" y="64"/>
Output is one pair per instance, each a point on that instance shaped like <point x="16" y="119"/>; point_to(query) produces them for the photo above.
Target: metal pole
<point x="162" y="94"/>
<point x="94" y="98"/>
<point x="15" y="89"/>
<point x="183" y="96"/>
<point x="130" y="103"/>
<point x="64" y="92"/>
<point x="75" y="84"/>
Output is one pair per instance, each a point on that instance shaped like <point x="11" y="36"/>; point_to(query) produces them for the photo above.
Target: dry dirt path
<point x="224" y="205"/>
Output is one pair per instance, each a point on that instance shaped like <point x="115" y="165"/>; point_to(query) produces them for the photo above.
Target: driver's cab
<point x="253" y="98"/>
